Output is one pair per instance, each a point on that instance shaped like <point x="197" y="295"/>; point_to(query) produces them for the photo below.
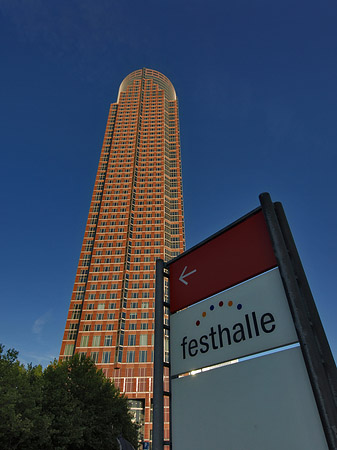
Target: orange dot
<point x="230" y="303"/>
<point x="204" y="314"/>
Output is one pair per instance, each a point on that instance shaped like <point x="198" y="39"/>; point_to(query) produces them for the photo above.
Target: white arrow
<point x="183" y="275"/>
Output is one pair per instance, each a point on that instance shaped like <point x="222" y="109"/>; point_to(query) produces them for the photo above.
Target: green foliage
<point x="69" y="405"/>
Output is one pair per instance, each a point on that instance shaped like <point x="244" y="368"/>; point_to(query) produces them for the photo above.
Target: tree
<point x="69" y="405"/>
<point x="98" y="412"/>
<point x="22" y="423"/>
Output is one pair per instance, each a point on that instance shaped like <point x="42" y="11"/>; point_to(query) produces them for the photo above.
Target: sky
<point x="256" y="83"/>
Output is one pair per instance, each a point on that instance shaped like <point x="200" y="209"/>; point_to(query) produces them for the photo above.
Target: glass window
<point x="143" y="356"/>
<point x="106" y="357"/>
<point x="130" y="356"/>
<point x="96" y="340"/>
<point x="143" y="339"/>
<point x="94" y="356"/>
<point x="84" y="341"/>
<point x="132" y="339"/>
<point x="107" y="341"/>
<point x="68" y="349"/>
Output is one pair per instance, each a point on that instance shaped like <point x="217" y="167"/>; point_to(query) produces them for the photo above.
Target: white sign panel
<point x="247" y="319"/>
<point x="264" y="403"/>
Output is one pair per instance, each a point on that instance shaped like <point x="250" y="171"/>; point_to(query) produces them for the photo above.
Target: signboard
<point x="247" y="319"/>
<point x="240" y="293"/>
<point x="259" y="404"/>
<point x="235" y="254"/>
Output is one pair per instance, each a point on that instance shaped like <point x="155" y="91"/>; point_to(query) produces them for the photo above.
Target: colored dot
<point x="230" y="303"/>
<point x="211" y="307"/>
<point x="197" y="323"/>
<point x="221" y="303"/>
<point x="204" y="314"/>
<point x="239" y="306"/>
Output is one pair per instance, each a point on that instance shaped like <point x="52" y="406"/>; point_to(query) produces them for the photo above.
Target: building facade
<point x="135" y="217"/>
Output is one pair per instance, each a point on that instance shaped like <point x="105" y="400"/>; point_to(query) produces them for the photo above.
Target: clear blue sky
<point x="257" y="90"/>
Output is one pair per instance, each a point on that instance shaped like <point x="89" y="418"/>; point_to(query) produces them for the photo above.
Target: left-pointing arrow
<point x="185" y="275"/>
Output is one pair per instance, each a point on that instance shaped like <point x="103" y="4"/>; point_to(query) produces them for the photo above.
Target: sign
<point x="227" y="301"/>
<point x="262" y="403"/>
<point x="247" y="319"/>
<point x="237" y="253"/>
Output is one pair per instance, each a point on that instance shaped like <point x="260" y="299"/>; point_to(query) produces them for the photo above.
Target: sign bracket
<point x="298" y="303"/>
<point x="159" y="393"/>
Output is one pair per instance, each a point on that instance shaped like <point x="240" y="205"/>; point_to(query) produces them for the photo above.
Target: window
<point x="68" y="349"/>
<point x="145" y="305"/>
<point x="86" y="327"/>
<point x="98" y="327"/>
<point x="144" y="326"/>
<point x="143" y="339"/>
<point x="109" y="326"/>
<point x="112" y="306"/>
<point x="84" y="341"/>
<point x="144" y="315"/>
<point x="99" y="316"/>
<point x="143" y="356"/>
<point x="76" y="314"/>
<point x="111" y="316"/>
<point x="133" y="316"/>
<point x="130" y="356"/>
<point x="134" y="305"/>
<point x="107" y="341"/>
<point x="106" y="357"/>
<point x="72" y="334"/>
<point x="100" y="305"/>
<point x="94" y="356"/>
<point x="96" y="340"/>
<point x="132" y="339"/>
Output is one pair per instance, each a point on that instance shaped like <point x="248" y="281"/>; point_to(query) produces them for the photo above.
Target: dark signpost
<point x="239" y="294"/>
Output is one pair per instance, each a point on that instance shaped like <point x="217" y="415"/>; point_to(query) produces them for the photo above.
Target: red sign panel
<point x="239" y="253"/>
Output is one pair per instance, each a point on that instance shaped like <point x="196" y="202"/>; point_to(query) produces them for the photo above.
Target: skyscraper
<point x="135" y="217"/>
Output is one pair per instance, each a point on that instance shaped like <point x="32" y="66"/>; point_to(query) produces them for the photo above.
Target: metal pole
<point x="312" y="358"/>
<point x="316" y="324"/>
<point x="158" y="367"/>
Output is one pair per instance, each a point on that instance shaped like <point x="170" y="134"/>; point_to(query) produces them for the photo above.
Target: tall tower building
<point x="135" y="217"/>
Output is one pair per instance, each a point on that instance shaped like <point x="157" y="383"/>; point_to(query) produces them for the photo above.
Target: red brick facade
<point x="135" y="217"/>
